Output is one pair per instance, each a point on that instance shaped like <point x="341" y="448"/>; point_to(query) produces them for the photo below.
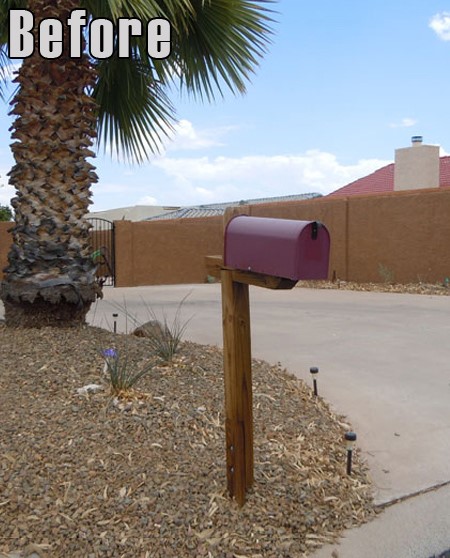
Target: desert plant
<point x="385" y="273"/>
<point x="166" y="336"/>
<point x="121" y="375"/>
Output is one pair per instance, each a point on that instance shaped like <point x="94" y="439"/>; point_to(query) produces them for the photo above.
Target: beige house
<point x="132" y="213"/>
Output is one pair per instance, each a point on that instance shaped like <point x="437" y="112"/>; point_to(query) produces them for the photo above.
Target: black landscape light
<point x="115" y="316"/>
<point x="314" y="371"/>
<point x="350" y="438"/>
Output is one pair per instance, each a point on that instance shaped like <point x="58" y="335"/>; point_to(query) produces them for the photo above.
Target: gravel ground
<point x="90" y="475"/>
<point x="437" y="289"/>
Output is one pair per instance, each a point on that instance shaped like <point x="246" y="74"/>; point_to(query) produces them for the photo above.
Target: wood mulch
<point x="89" y="475"/>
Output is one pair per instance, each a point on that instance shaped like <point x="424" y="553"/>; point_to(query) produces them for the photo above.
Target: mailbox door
<point x="313" y="252"/>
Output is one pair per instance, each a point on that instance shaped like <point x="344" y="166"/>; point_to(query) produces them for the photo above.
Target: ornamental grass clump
<point x="165" y="339"/>
<point x="121" y="376"/>
<point x="163" y="335"/>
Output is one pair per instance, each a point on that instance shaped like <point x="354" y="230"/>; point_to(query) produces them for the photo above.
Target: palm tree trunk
<point x="50" y="278"/>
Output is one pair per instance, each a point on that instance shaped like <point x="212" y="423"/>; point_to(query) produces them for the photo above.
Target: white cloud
<point x="206" y="180"/>
<point x="440" y="23"/>
<point x="6" y="191"/>
<point x="147" y="200"/>
<point x="183" y="137"/>
<point x="404" y="123"/>
<point x="186" y="137"/>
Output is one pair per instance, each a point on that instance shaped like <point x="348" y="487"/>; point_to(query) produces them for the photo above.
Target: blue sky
<point x="343" y="85"/>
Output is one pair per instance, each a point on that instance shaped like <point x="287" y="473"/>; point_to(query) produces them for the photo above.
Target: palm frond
<point x="220" y="44"/>
<point x="4" y="60"/>
<point x="142" y="9"/>
<point x="135" y="113"/>
<point x="4" y="64"/>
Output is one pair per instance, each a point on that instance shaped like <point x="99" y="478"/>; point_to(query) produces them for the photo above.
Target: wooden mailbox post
<point x="270" y="253"/>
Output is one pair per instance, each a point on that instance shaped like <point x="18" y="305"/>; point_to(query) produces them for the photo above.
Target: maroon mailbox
<point x="280" y="247"/>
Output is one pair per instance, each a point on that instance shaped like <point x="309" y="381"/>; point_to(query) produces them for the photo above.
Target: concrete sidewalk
<point x="384" y="362"/>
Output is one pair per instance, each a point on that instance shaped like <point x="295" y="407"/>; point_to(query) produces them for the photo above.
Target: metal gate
<point x="103" y="249"/>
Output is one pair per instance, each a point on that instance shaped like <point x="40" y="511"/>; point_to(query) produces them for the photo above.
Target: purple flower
<point x="110" y="353"/>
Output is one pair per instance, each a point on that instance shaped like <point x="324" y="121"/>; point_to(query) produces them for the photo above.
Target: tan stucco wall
<point x="408" y="233"/>
<point x="165" y="252"/>
<point x="5" y="242"/>
<point x="402" y="234"/>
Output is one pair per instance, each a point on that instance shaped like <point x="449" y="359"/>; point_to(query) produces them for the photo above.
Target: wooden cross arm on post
<point x="214" y="266"/>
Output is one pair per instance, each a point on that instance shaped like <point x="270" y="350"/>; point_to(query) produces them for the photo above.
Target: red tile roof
<point x="382" y="180"/>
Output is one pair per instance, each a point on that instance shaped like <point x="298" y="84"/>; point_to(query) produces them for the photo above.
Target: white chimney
<point x="417" y="166"/>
